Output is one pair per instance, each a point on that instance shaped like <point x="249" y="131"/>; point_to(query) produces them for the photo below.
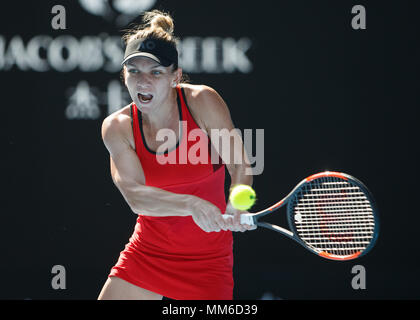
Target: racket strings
<point x="333" y="215"/>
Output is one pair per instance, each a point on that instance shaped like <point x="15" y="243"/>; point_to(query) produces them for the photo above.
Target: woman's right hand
<point x="207" y="216"/>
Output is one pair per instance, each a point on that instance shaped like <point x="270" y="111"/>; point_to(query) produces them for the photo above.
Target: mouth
<point x="145" y="97"/>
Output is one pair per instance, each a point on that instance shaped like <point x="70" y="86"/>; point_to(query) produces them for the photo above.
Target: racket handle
<point x="246" y="218"/>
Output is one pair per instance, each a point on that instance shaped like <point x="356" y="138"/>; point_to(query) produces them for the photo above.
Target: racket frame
<point x="253" y="218"/>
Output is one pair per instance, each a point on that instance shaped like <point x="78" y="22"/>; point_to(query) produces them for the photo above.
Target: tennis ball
<point x="242" y="197"/>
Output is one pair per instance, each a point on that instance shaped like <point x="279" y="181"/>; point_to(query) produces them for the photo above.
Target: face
<point x="149" y="83"/>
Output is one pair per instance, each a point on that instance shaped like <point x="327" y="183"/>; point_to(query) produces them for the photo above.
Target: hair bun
<point x="158" y="19"/>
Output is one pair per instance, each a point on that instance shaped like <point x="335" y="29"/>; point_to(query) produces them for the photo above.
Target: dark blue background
<point x="327" y="97"/>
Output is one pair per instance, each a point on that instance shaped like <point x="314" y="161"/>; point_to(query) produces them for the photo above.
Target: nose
<point x="143" y="81"/>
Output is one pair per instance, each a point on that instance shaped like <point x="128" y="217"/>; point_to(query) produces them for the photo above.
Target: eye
<point x="156" y="72"/>
<point x="133" y="71"/>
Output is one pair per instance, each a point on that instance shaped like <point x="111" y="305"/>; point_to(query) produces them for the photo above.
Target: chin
<point x="142" y="108"/>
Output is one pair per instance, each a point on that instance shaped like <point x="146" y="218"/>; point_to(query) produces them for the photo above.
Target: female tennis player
<point x="181" y="247"/>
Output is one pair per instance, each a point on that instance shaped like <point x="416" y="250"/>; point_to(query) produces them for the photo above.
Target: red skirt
<point x="173" y="257"/>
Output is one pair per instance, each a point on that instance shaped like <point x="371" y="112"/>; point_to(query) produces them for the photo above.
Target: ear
<point x="125" y="75"/>
<point x="178" y="77"/>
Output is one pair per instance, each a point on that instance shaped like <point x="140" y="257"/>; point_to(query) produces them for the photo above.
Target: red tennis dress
<point x="172" y="256"/>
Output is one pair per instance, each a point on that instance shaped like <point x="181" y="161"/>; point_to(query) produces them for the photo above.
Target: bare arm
<point x="227" y="142"/>
<point x="128" y="175"/>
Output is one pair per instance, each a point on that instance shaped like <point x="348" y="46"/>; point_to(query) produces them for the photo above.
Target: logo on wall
<point x="83" y="102"/>
<point x="120" y="12"/>
<point x="103" y="53"/>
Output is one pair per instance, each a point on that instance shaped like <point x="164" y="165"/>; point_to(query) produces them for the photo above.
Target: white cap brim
<point x="141" y="54"/>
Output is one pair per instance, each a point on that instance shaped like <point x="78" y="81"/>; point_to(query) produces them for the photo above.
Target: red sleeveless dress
<point x="172" y="256"/>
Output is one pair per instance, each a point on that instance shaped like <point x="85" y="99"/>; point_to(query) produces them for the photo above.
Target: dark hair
<point x="156" y="24"/>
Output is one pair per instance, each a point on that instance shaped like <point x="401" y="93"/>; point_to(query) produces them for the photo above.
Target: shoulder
<point x="207" y="105"/>
<point x="116" y="127"/>
<point x="201" y="94"/>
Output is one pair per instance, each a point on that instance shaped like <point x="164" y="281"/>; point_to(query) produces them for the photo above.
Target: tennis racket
<point x="332" y="214"/>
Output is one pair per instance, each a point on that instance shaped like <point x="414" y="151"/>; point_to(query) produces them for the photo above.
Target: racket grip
<point x="246" y="218"/>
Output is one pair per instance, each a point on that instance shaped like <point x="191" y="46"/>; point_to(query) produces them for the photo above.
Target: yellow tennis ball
<point x="242" y="197"/>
